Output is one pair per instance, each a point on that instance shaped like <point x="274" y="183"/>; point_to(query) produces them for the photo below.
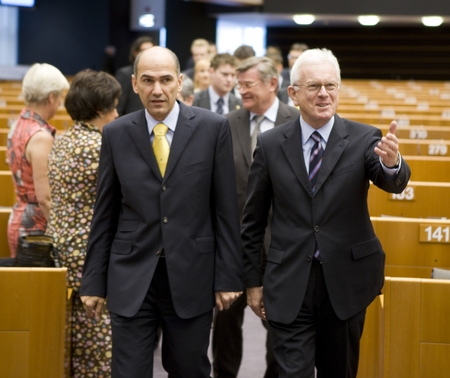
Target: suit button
<point x="158" y="253"/>
<point x="316" y="228"/>
<point x="165" y="220"/>
<point x="163" y="188"/>
<point x="309" y="258"/>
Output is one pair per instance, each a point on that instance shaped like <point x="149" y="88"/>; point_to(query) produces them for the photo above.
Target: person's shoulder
<point x="200" y="97"/>
<point x="292" y="110"/>
<point x="286" y="128"/>
<point x="203" y="113"/>
<point x="124" y="72"/>
<point x="125" y="120"/>
<point x="237" y="114"/>
<point x="353" y="126"/>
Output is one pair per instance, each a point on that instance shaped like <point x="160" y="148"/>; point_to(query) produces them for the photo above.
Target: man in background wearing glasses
<point x="325" y="264"/>
<point x="257" y="83"/>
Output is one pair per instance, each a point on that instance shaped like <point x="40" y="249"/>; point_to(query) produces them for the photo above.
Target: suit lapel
<point x="292" y="147"/>
<point x="336" y="145"/>
<point x="141" y="138"/>
<point x="283" y="114"/>
<point x="186" y="127"/>
<point x="243" y="132"/>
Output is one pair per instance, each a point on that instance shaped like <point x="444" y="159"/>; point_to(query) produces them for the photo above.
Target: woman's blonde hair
<point x="41" y="80"/>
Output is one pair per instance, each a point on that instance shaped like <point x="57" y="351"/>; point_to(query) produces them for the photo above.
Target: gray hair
<point x="40" y="81"/>
<point x="266" y="68"/>
<point x="314" y="56"/>
<point x="187" y="88"/>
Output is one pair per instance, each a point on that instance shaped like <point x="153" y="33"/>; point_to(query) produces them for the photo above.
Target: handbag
<point x="36" y="251"/>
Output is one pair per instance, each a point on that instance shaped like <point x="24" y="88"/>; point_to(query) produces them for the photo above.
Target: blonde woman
<point x="29" y="143"/>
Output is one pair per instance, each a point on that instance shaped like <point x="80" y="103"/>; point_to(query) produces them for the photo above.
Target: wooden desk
<point x="4" y="217"/>
<point x="408" y="334"/>
<point x="7" y="193"/>
<point x="413" y="246"/>
<point x="59" y="121"/>
<point x="420" y="199"/>
<point x="429" y="168"/>
<point x="34" y="322"/>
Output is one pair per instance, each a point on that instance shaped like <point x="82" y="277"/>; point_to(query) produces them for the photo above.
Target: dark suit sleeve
<point x="228" y="276"/>
<point x="256" y="212"/>
<point x="123" y="76"/>
<point x="104" y="224"/>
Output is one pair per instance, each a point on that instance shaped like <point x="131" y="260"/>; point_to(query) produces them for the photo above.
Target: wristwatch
<point x="397" y="163"/>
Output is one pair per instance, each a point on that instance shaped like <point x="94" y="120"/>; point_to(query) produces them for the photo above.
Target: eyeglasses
<point x="247" y="86"/>
<point x="316" y="87"/>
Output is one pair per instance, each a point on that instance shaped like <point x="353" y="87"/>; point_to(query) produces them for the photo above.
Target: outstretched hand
<point x="387" y="148"/>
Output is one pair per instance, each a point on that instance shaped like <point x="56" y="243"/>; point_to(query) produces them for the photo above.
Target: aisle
<point x="253" y="362"/>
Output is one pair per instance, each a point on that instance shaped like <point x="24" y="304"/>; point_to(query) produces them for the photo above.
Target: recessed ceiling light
<point x="368" y="20"/>
<point x="147" y="20"/>
<point x="432" y="20"/>
<point x="304" y="19"/>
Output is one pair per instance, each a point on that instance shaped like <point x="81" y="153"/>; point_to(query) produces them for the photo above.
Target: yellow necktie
<point x="161" y="147"/>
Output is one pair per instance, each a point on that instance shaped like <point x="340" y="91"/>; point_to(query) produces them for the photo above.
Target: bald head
<point x="158" y="53"/>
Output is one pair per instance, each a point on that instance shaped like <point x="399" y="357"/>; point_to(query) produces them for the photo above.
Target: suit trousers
<point x="227" y="342"/>
<point x="317" y="337"/>
<point x="184" y="341"/>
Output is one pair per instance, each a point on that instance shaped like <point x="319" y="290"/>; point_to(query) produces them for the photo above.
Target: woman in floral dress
<point x="91" y="102"/>
<point x="29" y="143"/>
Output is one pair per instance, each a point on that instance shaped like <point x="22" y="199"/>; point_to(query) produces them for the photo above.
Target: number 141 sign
<point x="434" y="233"/>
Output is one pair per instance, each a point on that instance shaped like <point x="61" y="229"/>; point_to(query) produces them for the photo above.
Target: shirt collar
<point x="170" y="121"/>
<point x="271" y="113"/>
<point x="307" y="130"/>
<point x="215" y="97"/>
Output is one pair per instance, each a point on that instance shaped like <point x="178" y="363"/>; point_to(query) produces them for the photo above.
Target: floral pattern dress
<point x="73" y="164"/>
<point x="26" y="216"/>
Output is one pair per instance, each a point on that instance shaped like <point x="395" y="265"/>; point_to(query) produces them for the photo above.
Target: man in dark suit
<point x="325" y="264"/>
<point x="294" y="52"/>
<point x="217" y="96"/>
<point x="129" y="101"/>
<point x="164" y="246"/>
<point x="258" y="85"/>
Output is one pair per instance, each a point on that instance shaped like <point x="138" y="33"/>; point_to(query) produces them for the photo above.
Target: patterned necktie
<point x="220" y="103"/>
<point x="315" y="160"/>
<point x="258" y="119"/>
<point x="161" y="147"/>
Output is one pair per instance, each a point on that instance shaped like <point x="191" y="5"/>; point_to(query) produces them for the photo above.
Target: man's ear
<point x="292" y="94"/>
<point x="134" y="83"/>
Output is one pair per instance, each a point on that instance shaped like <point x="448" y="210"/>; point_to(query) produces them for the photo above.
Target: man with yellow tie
<point x="164" y="246"/>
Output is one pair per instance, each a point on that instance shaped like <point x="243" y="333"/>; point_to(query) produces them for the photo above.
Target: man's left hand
<point x="224" y="299"/>
<point x="387" y="148"/>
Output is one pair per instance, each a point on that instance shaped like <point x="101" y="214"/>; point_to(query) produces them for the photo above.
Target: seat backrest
<point x="441" y="274"/>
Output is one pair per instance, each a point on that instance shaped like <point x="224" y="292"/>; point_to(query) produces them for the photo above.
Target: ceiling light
<point x="368" y="20"/>
<point x="147" y="20"/>
<point x="303" y="19"/>
<point x="432" y="20"/>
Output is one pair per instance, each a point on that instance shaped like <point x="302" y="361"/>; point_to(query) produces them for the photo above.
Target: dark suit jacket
<point x="336" y="217"/>
<point x="192" y="212"/>
<point x="242" y="149"/>
<point x="202" y="100"/>
<point x="129" y="101"/>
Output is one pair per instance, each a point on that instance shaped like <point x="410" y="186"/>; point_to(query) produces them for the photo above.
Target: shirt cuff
<point x="394" y="170"/>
